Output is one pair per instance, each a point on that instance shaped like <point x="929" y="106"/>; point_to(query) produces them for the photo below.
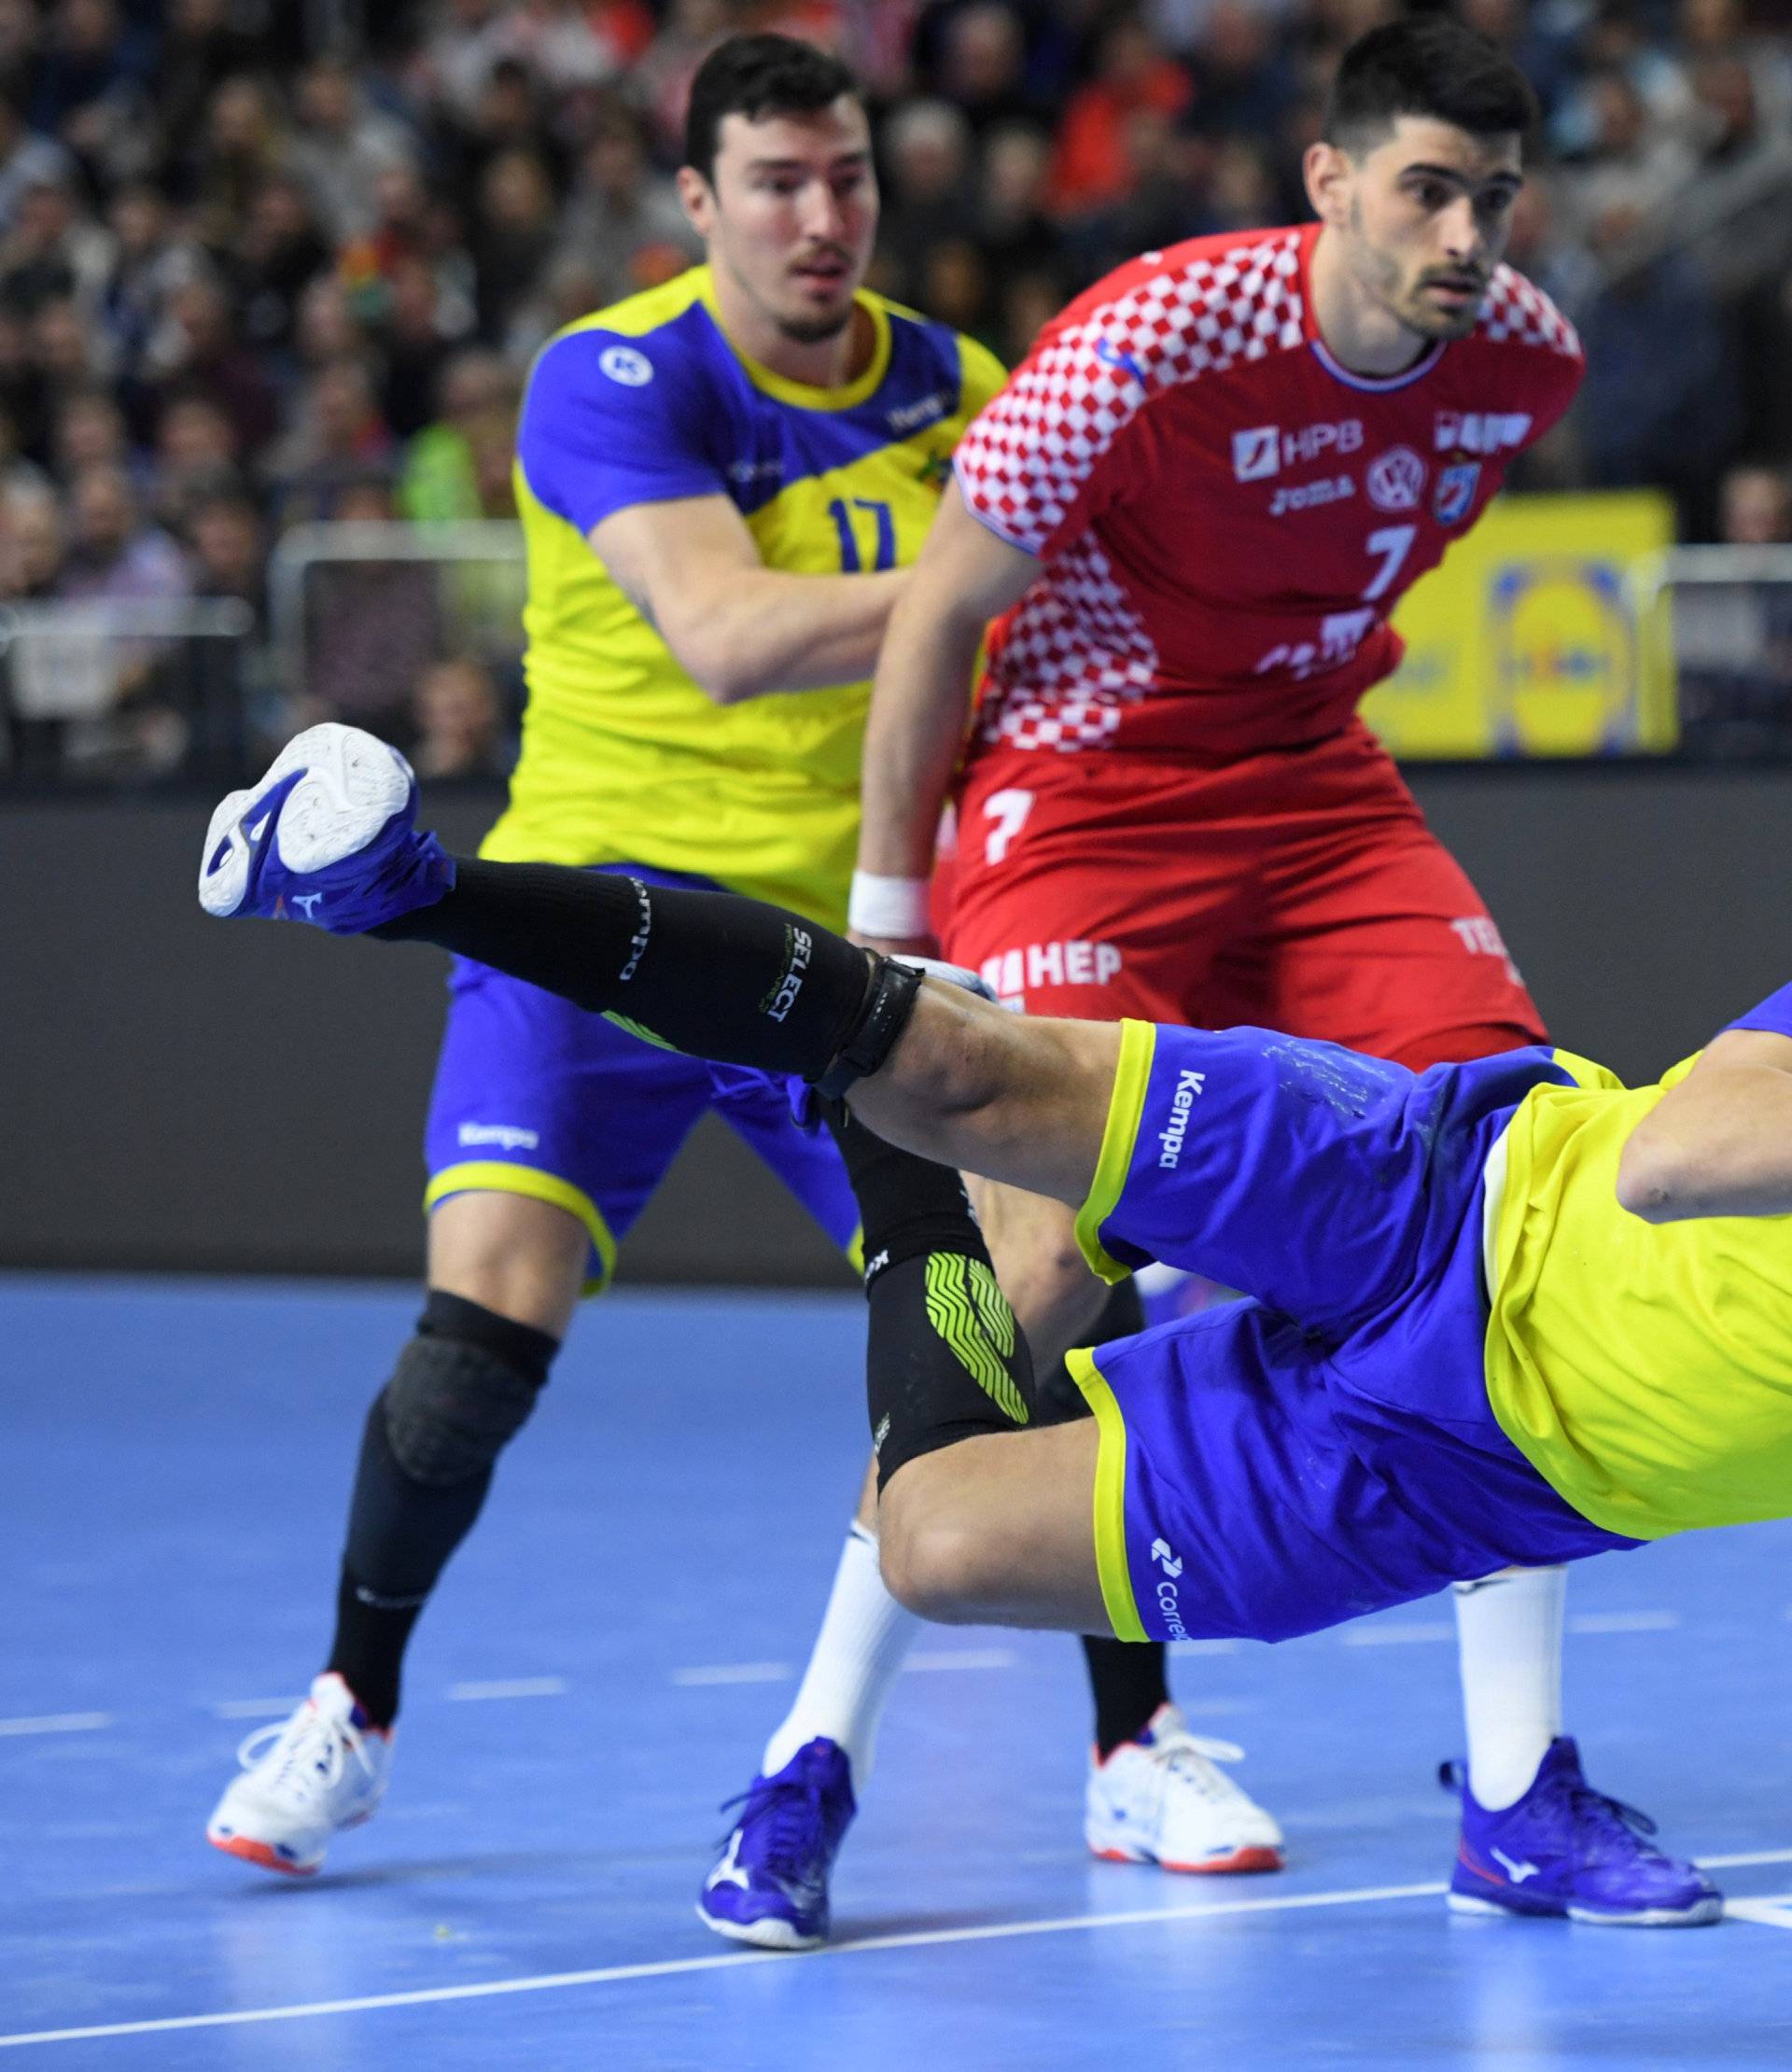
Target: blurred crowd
<point x="265" y="264"/>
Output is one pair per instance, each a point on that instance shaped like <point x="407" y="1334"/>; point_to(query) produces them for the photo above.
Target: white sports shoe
<point x="1163" y="1799"/>
<point x="303" y="1781"/>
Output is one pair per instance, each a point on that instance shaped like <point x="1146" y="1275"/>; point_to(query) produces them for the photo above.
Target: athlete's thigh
<point x="1375" y="938"/>
<point x="1295" y="1171"/>
<point x="523" y="1257"/>
<point x="1227" y="1500"/>
<point x="997" y="1529"/>
<point x="537" y="1098"/>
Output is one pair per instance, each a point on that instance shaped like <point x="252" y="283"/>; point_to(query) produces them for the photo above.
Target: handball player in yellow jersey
<point x="721" y="483"/>
<point x="1504" y="1310"/>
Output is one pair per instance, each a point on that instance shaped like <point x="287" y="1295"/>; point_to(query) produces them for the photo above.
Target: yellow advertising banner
<point x="1522" y="642"/>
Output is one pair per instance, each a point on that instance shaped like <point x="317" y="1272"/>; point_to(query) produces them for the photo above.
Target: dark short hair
<point x="1426" y="65"/>
<point x="757" y="77"/>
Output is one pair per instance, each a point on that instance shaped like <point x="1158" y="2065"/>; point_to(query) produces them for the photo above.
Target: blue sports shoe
<point x="771" y="1884"/>
<point x="1566" y="1849"/>
<point x="327" y="836"/>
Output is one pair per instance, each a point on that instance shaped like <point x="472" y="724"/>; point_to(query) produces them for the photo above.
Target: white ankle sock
<point x="1509" y="1628"/>
<point x="852" y="1668"/>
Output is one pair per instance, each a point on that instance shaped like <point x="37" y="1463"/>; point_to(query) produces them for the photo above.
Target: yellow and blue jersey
<point x="1643" y="1369"/>
<point x="623" y="757"/>
<point x="1465" y="1352"/>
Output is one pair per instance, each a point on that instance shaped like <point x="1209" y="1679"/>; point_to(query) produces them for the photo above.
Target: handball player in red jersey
<point x="1190" y="514"/>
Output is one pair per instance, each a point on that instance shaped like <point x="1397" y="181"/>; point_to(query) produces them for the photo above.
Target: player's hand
<point x="897" y="946"/>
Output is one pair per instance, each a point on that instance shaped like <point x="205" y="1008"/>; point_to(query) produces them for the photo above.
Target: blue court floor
<point x="600" y="1670"/>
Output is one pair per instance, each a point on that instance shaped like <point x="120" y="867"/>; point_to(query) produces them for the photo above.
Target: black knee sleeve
<point x="462" y="1390"/>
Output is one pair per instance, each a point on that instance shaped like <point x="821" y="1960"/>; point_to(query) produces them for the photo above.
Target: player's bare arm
<point x="692" y="569"/>
<point x="1720" y="1143"/>
<point x="965" y="577"/>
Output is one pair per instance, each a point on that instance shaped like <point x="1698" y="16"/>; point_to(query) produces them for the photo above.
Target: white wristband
<point x="887" y="908"/>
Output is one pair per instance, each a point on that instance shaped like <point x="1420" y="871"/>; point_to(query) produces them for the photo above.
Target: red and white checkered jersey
<point x="1226" y="515"/>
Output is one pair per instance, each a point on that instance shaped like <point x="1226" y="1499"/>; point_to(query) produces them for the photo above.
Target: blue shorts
<point x="1328" y="1448"/>
<point x="534" y="1095"/>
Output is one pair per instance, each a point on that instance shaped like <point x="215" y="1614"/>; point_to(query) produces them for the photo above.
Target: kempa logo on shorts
<point x="623" y="364"/>
<point x="506" y="1136"/>
<point x="643" y="928"/>
<point x="1189" y="1085"/>
<point x="1169" y="1596"/>
<point x="799" y="946"/>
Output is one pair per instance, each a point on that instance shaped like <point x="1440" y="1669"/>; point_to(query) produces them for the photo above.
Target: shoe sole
<point x="1254" y="1858"/>
<point x="263" y="1854"/>
<point x="349" y="786"/>
<point x="1698" y="1916"/>
<point x="764" y="1934"/>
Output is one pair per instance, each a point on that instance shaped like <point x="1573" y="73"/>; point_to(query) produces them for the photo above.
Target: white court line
<point x="1771" y="1910"/>
<point x="921" y="1940"/>
<point x="1205" y="1647"/>
<point x="963" y="1658"/>
<point x="57" y="1723"/>
<point x="1623" y="1622"/>
<point x="1402" y="1635"/>
<point x="557" y="1982"/>
<point x="255" y="1708"/>
<point x="736" y="1672"/>
<point x="514" y="1687"/>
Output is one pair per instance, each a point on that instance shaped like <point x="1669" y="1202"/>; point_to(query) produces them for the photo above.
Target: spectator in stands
<point x="1652" y="412"/>
<point x="148" y="261"/>
<point x="339" y="442"/>
<point x="279" y="250"/>
<point x="1633" y="163"/>
<point x="227" y="548"/>
<point x="203" y="349"/>
<point x="53" y="249"/>
<point x="1013" y="226"/>
<point x="512" y="239"/>
<point x="113" y="553"/>
<point x="442" y="476"/>
<point x="243" y="145"/>
<point x="1755" y="506"/>
<point x="90" y="432"/>
<point x="343" y="145"/>
<point x="927" y="188"/>
<point x="27" y="160"/>
<point x="623" y="220"/>
<point x="66" y="346"/>
<point x="33" y="542"/>
<point x="1092" y="167"/>
<point x="196" y="455"/>
<point x="982" y="67"/>
<point x="460" y="722"/>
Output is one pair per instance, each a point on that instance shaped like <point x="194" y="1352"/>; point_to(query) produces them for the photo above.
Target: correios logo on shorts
<point x="1189" y="1086"/>
<point x="1169" y="1596"/>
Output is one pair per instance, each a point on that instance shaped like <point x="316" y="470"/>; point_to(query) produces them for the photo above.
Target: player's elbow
<point x="1655" y="1180"/>
<point x="720" y="670"/>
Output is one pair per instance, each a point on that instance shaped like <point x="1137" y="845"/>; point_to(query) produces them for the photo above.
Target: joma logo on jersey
<point x="1189" y="1087"/>
<point x="1268" y="449"/>
<point x="1480" y="431"/>
<point x="1309" y="495"/>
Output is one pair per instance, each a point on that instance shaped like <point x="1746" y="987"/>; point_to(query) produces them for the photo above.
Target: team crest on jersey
<point x="1454" y="494"/>
<point x="623" y="364"/>
<point x="1395" y="480"/>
